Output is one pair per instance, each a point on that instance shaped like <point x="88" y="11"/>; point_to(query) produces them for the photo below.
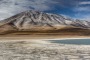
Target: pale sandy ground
<point x="39" y="48"/>
<point x="40" y="37"/>
<point x="42" y="50"/>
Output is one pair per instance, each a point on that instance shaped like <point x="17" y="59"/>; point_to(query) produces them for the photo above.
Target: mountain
<point x="35" y="21"/>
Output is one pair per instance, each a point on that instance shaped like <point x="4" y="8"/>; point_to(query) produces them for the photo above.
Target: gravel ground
<point x="41" y="50"/>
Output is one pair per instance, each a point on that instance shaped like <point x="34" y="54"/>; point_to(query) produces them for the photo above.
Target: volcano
<point x="30" y="22"/>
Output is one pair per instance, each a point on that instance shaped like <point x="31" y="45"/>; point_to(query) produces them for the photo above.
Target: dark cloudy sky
<point x="71" y="8"/>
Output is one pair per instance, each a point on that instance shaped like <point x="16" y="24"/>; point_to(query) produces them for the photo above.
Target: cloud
<point x="84" y="2"/>
<point x="82" y="9"/>
<point x="86" y="18"/>
<point x="12" y="7"/>
<point x="72" y="8"/>
<point x="83" y="16"/>
<point x="83" y="6"/>
<point x="77" y="9"/>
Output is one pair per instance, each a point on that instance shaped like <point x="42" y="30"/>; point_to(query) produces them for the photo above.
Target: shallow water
<point x="72" y="41"/>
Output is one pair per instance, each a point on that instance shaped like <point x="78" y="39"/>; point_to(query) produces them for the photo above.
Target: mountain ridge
<point x="39" y="21"/>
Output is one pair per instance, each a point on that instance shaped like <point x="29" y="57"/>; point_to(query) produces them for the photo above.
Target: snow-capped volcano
<point x="39" y="21"/>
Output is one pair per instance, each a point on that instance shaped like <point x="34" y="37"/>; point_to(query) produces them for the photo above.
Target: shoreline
<point x="38" y="39"/>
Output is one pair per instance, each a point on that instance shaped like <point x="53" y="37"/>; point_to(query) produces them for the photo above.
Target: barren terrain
<point x="42" y="50"/>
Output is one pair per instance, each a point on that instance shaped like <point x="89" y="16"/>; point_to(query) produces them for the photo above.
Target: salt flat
<point x="42" y="50"/>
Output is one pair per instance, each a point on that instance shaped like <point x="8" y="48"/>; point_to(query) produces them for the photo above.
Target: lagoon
<point x="72" y="41"/>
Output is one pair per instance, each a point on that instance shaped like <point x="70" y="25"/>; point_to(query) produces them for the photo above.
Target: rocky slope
<point x="39" y="21"/>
